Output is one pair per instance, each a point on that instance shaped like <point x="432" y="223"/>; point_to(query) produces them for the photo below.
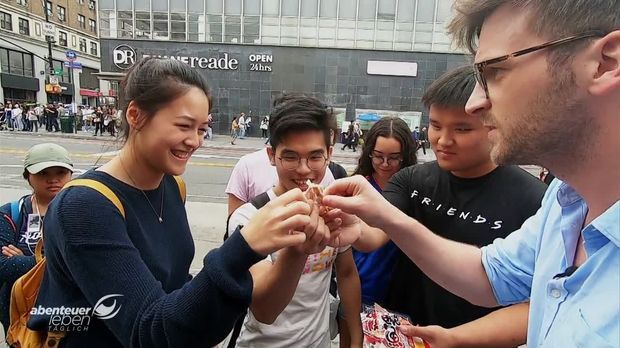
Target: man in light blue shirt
<point x="570" y="306"/>
<point x="548" y="74"/>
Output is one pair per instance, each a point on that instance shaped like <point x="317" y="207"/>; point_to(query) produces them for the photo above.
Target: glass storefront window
<point x="177" y="6"/>
<point x="251" y="29"/>
<point x="328" y="9"/>
<point x="143" y="25"/>
<point x="232" y="29"/>
<point x="125" y="24"/>
<point x="232" y="7"/>
<point x="214" y="7"/>
<point x="251" y="7"/>
<point x="271" y="7"/>
<point x="142" y="5"/>
<point x="309" y="8"/>
<point x="387" y="10"/>
<point x="214" y="28"/>
<point x="290" y="8"/>
<point x="367" y="9"/>
<point x="159" y="5"/>
<point x="406" y="10"/>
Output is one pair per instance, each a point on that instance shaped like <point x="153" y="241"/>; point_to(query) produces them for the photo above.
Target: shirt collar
<point x="607" y="223"/>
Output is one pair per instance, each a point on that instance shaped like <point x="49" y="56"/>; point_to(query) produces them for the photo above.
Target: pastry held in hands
<point x="315" y="192"/>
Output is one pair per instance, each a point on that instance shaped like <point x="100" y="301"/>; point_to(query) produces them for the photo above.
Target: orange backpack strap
<point x="101" y="188"/>
<point x="182" y="188"/>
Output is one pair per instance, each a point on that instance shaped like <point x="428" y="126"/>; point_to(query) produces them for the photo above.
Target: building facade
<point x="361" y="56"/>
<point x="24" y="63"/>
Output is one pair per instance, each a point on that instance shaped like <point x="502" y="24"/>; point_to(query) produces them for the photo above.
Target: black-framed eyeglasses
<point x="479" y="67"/>
<point x="314" y="162"/>
<point x="379" y="160"/>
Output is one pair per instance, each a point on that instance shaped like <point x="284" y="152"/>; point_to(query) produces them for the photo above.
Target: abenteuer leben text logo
<point x="67" y="319"/>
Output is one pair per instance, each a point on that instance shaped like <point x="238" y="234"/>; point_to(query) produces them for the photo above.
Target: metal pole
<point x="49" y="40"/>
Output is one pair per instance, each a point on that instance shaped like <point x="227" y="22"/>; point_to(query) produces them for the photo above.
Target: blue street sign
<point x="73" y="65"/>
<point x="71" y="55"/>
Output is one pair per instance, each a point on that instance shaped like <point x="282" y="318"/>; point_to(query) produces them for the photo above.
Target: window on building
<point x="93" y="48"/>
<point x="82" y="21"/>
<point x="15" y="62"/>
<point x="22" y="2"/>
<point x="24" y="27"/>
<point x="62" y="13"/>
<point x="62" y="38"/>
<point x="81" y="2"/>
<point x="93" y="25"/>
<point x="91" y="4"/>
<point x="5" y="21"/>
<point x="50" y="8"/>
<point x="143" y="25"/>
<point x="83" y="45"/>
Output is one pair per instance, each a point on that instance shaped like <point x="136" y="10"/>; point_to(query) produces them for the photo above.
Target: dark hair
<point x="154" y="82"/>
<point x="452" y="89"/>
<point x="298" y="113"/>
<point x="388" y="127"/>
<point x="26" y="174"/>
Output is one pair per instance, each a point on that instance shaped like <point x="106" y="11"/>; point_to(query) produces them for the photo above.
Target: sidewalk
<point x="248" y="144"/>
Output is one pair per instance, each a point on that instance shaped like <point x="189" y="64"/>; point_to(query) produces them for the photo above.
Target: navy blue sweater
<point x="92" y="252"/>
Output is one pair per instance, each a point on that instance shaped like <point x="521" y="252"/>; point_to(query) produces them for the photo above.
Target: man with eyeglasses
<point x="290" y="301"/>
<point x="561" y="85"/>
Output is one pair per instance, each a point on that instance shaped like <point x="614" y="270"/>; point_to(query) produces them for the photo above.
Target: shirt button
<point x="555" y="293"/>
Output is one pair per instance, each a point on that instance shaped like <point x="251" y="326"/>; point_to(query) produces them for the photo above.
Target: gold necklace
<point x="163" y="189"/>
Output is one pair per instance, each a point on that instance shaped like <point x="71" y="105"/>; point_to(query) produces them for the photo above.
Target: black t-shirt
<point x="473" y="211"/>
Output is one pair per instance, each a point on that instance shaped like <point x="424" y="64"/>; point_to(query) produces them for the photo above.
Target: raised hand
<point x="317" y="233"/>
<point x="280" y="223"/>
<point x="345" y="228"/>
<point x="354" y="195"/>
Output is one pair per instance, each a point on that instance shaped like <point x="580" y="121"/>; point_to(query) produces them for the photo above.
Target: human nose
<point x="445" y="138"/>
<point x="303" y="166"/>
<point x="478" y="101"/>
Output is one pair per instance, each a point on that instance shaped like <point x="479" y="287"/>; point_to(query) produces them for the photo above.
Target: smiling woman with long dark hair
<point x="139" y="261"/>
<point x="389" y="147"/>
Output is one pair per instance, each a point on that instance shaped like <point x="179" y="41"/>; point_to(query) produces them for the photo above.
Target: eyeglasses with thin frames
<point x="479" y="67"/>
<point x="379" y="160"/>
<point x="314" y="162"/>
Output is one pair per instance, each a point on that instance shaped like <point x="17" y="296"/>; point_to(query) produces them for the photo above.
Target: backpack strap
<point x="260" y="200"/>
<point x="15" y="209"/>
<point x="182" y="188"/>
<point x="101" y="188"/>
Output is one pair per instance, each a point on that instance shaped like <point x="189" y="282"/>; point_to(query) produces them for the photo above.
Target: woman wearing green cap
<point x="47" y="168"/>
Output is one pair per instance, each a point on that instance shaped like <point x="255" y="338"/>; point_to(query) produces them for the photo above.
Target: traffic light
<point x="53" y="89"/>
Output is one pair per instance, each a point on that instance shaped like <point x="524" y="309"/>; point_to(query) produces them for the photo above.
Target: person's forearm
<point x="350" y="295"/>
<point x="274" y="287"/>
<point x="487" y="333"/>
<point x="455" y="266"/>
<point x="371" y="239"/>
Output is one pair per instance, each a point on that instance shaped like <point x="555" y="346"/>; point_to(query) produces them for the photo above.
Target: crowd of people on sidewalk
<point x="29" y="118"/>
<point x="470" y="249"/>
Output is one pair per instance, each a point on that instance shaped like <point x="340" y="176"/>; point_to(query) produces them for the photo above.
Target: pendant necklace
<point x="163" y="189"/>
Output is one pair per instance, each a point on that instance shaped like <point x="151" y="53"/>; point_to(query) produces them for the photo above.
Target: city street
<point x="206" y="175"/>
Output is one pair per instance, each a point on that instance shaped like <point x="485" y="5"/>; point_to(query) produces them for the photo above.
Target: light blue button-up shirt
<point x="580" y="310"/>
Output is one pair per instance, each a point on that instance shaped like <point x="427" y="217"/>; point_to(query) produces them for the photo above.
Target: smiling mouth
<point x="302" y="183"/>
<point x="182" y="155"/>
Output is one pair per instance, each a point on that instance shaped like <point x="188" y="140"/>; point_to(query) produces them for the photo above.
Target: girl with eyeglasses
<point x="389" y="147"/>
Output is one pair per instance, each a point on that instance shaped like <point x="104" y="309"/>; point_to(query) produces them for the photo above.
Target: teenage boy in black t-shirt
<point x="462" y="196"/>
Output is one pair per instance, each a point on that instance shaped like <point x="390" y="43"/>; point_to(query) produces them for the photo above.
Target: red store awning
<point x="89" y="93"/>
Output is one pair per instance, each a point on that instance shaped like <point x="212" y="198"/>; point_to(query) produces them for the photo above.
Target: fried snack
<point x="315" y="193"/>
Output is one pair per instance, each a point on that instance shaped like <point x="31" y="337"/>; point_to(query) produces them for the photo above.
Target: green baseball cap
<point x="43" y="156"/>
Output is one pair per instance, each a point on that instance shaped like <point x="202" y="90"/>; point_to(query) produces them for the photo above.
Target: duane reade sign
<point x="125" y="56"/>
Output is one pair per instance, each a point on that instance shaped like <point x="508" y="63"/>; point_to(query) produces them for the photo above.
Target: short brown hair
<point x="554" y="19"/>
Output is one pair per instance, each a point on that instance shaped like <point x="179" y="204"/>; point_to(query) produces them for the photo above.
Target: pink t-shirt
<point x="254" y="174"/>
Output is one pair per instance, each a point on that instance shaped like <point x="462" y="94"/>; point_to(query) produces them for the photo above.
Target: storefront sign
<point x="124" y="56"/>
